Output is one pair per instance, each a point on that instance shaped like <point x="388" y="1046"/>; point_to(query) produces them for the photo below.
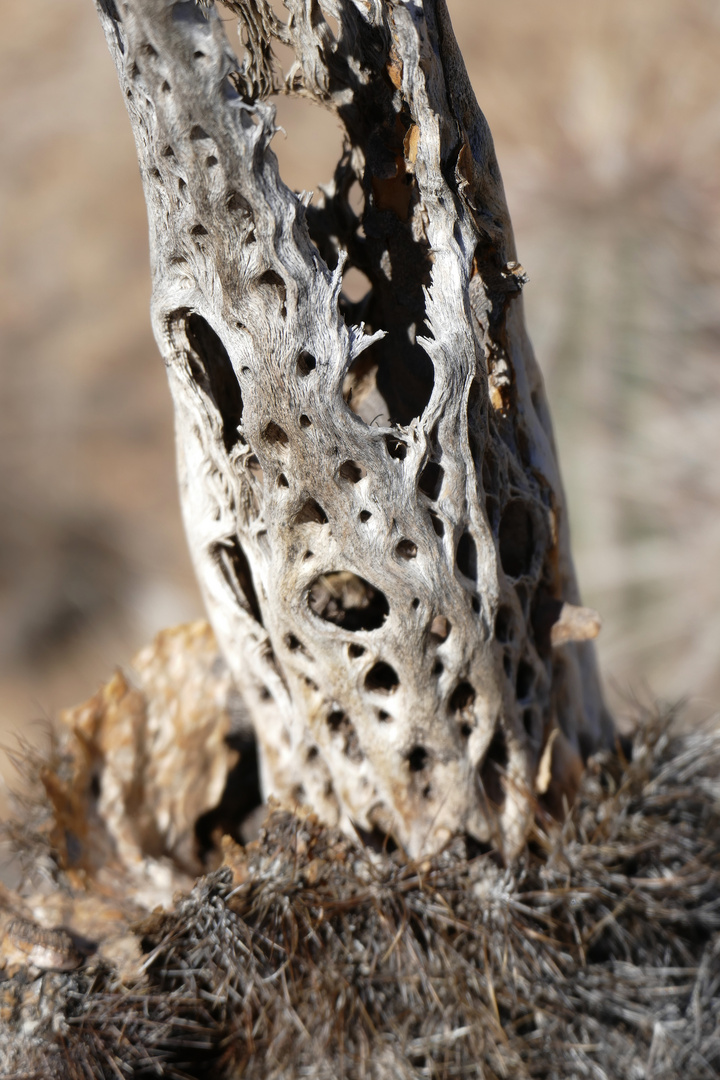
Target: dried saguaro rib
<point x="370" y="490"/>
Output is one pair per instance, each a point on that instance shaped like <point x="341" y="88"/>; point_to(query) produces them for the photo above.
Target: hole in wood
<point x="197" y="133"/>
<point x="306" y="363"/>
<point x="493" y="768"/>
<point x="396" y="447"/>
<point x="255" y="467"/>
<point x="416" y="603"/>
<point x="437" y="524"/>
<point x="406" y="549"/>
<point x="492" y="509"/>
<point x="516" y="539"/>
<point x="311" y="512"/>
<point x="213" y="371"/>
<point x="305" y="421"/>
<point x="211" y="161"/>
<point x="238" y="204"/>
<point x="282" y="481"/>
<point x="440" y="627"/>
<point x="360" y="392"/>
<point x="417" y="758"/>
<point x="347" y="600"/>
<point x="271" y="283"/>
<point x="364" y="515"/>
<point x="355" y="651"/>
<point x="382" y="678"/>
<point x="352" y="471"/>
<point x="438" y="668"/>
<point x="431" y="479"/>
<point x="198" y="230"/>
<point x="383" y="716"/>
<point x="462" y="698"/>
<point x="340" y="724"/>
<point x="524" y="680"/>
<point x="466" y="557"/>
<point x="466" y="730"/>
<point x="274" y="434"/>
<point x="529" y="718"/>
<point x="235" y="569"/>
<point x="504" y="624"/>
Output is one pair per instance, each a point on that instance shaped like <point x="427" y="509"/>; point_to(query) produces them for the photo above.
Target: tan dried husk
<point x="596" y="954"/>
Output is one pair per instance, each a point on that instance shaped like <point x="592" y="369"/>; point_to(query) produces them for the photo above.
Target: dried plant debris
<point x="597" y="954"/>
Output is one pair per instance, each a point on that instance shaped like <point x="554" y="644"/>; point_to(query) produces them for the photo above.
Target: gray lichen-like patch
<point x="390" y="570"/>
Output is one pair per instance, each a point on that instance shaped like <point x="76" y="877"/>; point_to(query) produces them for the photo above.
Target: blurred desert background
<point x="606" y="119"/>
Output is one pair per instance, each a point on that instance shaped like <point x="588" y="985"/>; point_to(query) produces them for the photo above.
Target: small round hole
<point x="282" y="481"/>
<point x="273" y="433"/>
<point x="415" y="604"/>
<point x="211" y="161"/>
<point x="356" y="651"/>
<point x="364" y="515"/>
<point x="382" y="679"/>
<point x="305" y="421"/>
<point x="417" y="758"/>
<point x="310" y="513"/>
<point x="438" y="668"/>
<point x="462" y="697"/>
<point x="306" y="363"/>
<point x="396" y="447"/>
<point x="352" y="471"/>
<point x="383" y="716"/>
<point x="440" y="627"/>
<point x="406" y="549"/>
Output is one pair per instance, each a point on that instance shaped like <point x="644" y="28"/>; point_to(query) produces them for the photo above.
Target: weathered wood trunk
<point x="370" y="490"/>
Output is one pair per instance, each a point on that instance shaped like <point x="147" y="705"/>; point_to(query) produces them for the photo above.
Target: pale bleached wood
<point x="384" y="591"/>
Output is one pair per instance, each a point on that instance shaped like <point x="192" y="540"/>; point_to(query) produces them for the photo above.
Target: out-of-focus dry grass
<point x="607" y="124"/>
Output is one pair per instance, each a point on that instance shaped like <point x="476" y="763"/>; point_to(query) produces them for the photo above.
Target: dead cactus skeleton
<point x="394" y="593"/>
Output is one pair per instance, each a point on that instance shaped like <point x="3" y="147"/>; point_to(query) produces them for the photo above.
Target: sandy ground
<point x="607" y="124"/>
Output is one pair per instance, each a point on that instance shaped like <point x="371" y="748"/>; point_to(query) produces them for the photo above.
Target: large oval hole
<point x="235" y="569"/>
<point x="213" y="372"/>
<point x="467" y="557"/>
<point x="516" y="538"/>
<point x="347" y="600"/>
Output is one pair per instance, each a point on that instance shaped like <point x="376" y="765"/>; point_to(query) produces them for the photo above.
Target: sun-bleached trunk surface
<point x="370" y="490"/>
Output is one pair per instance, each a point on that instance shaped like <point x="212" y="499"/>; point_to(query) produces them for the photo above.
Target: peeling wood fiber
<point x="370" y="490"/>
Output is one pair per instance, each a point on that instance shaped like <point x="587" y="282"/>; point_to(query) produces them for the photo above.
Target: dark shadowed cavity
<point x="347" y="600"/>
